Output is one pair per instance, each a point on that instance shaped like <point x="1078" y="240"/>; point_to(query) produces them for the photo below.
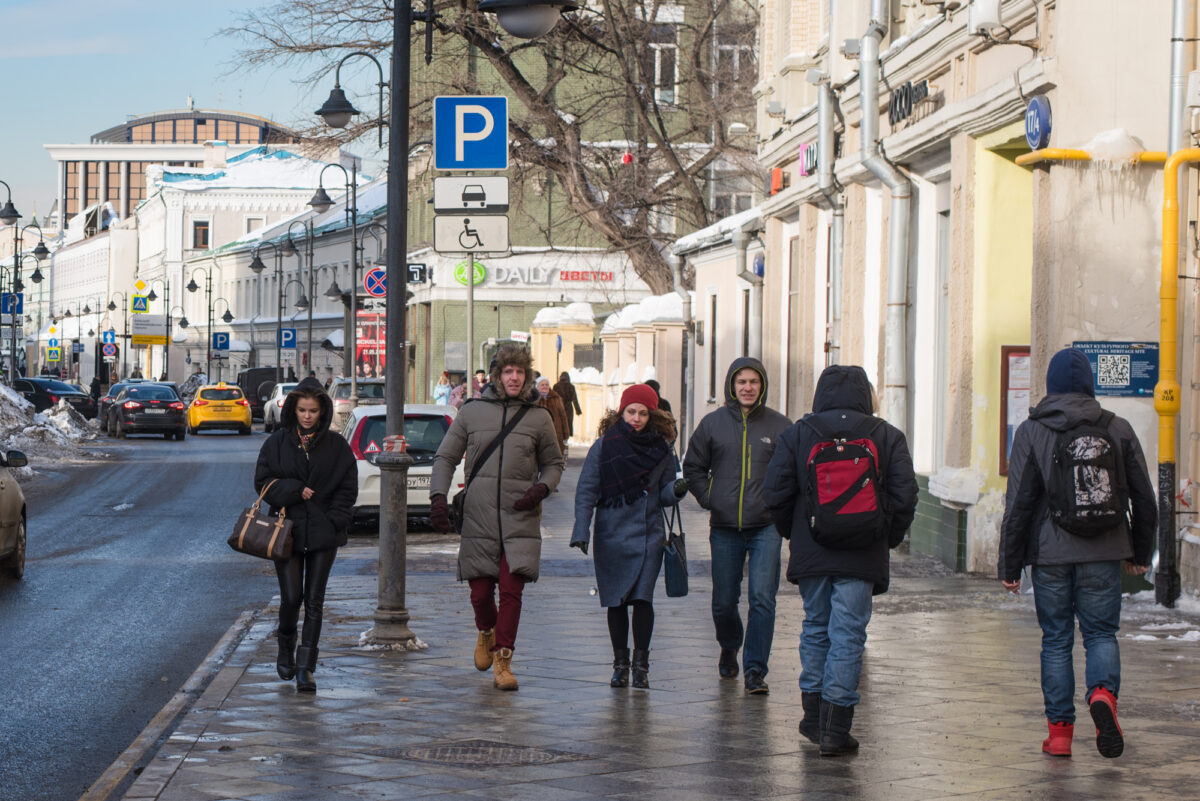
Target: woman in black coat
<point x="316" y="480"/>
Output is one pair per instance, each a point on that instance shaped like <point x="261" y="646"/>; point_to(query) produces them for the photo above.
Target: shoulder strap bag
<point x="458" y="506"/>
<point x="675" y="573"/>
<point x="257" y="534"/>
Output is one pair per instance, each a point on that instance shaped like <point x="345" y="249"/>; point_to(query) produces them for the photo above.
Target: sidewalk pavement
<point x="951" y="702"/>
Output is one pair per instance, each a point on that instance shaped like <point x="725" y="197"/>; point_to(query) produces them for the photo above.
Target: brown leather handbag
<point x="261" y="535"/>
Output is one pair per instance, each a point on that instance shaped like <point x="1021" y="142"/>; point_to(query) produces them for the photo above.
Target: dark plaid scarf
<point x="626" y="459"/>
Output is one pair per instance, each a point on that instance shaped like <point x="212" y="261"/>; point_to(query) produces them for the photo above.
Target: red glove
<point x="532" y="497"/>
<point x="439" y="513"/>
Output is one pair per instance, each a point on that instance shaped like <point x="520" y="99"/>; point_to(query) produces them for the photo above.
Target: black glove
<point x="439" y="513"/>
<point x="681" y="487"/>
<point x="581" y="546"/>
<point x="532" y="497"/>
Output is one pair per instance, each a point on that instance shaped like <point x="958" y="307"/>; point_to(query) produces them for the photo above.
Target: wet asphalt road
<point x="128" y="585"/>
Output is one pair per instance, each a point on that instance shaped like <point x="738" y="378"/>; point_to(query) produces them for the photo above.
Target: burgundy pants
<point x="505" y="619"/>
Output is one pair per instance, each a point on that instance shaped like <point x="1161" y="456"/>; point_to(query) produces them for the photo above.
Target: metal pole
<point x="353" y="211"/>
<point x="391" y="616"/>
<point x="12" y="312"/>
<point x="208" y="299"/>
<point x="312" y="296"/>
<point x="471" y="320"/>
<point x="125" y="334"/>
<point x="167" y="300"/>
<point x="278" y="315"/>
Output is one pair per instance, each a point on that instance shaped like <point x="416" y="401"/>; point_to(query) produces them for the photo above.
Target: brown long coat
<point x="553" y="403"/>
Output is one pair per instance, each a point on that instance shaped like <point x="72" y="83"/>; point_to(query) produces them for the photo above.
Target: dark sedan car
<point x="45" y="392"/>
<point x="146" y="409"/>
<point x="107" y="398"/>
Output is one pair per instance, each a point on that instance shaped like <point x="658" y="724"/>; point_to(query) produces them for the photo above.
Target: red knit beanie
<point x="639" y="393"/>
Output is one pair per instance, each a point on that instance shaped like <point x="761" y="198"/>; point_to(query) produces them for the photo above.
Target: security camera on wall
<point x="982" y="16"/>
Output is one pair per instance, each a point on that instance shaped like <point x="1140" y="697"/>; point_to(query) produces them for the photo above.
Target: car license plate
<point x="418" y="482"/>
<point x="222" y="408"/>
<point x="156" y="411"/>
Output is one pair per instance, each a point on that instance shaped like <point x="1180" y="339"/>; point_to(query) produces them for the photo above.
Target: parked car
<point x="424" y="427"/>
<point x="90" y="411"/>
<point x="146" y="409"/>
<point x="45" y="392"/>
<point x="370" y="393"/>
<point x="107" y="398"/>
<point x="274" y="405"/>
<point x="12" y="517"/>
<point x="219" y="405"/>
<point x="256" y="384"/>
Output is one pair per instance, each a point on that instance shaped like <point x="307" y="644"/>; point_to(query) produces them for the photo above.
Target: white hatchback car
<point x="424" y="427"/>
<point x="273" y="406"/>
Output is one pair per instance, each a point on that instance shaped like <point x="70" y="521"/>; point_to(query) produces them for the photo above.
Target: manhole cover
<point x="481" y="754"/>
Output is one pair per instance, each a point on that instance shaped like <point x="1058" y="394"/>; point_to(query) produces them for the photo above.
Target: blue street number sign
<point x="6" y="302"/>
<point x="1122" y="369"/>
<point x="220" y="340"/>
<point x="1037" y="122"/>
<point x="375" y="282"/>
<point x="287" y="338"/>
<point x="470" y="133"/>
<point x="108" y="337"/>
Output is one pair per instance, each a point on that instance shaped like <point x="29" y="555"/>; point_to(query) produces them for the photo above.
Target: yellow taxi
<point x="219" y="406"/>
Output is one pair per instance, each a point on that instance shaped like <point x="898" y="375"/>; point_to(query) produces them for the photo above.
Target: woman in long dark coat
<point x="626" y="481"/>
<point x="316" y="480"/>
<point x="570" y="399"/>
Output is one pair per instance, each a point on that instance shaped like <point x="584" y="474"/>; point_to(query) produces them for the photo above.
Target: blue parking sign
<point x="470" y="132"/>
<point x="7" y="299"/>
<point x="287" y="338"/>
<point x="220" y="340"/>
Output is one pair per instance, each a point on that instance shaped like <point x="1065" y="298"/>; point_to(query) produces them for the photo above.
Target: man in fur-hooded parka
<point x="528" y="455"/>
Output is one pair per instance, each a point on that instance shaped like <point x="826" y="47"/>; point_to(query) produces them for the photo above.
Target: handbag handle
<point x="257" y="506"/>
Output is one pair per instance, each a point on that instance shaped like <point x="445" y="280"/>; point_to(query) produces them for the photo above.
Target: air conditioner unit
<point x="982" y="16"/>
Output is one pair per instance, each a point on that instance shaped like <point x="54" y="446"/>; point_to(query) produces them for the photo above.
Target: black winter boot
<point x="641" y="668"/>
<point x="285" y="663"/>
<point x="810" y="727"/>
<point x="306" y="663"/>
<point x="620" y="676"/>
<point x="835" y="730"/>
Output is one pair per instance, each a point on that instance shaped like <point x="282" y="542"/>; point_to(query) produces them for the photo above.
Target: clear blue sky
<point x="75" y="67"/>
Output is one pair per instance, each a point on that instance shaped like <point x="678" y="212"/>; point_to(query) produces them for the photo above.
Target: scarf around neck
<point x="627" y="458"/>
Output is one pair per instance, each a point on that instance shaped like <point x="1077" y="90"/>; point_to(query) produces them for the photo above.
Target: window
<point x="254" y="223"/>
<point x="200" y="234"/>
<point x="659" y="63"/>
<point x="712" y="349"/>
<point x="736" y="67"/>
<point x="725" y="205"/>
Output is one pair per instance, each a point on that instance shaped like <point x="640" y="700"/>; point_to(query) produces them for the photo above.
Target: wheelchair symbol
<point x="468" y="238"/>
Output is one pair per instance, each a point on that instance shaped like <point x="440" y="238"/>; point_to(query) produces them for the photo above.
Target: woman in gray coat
<point x="626" y="481"/>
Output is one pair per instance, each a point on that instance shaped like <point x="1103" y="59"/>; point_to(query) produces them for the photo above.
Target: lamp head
<point x="87" y="309"/>
<point x="112" y="306"/>
<point x="192" y="286"/>
<point x="528" y="19"/>
<point x="337" y="110"/>
<point x="288" y="248"/>
<point x="183" y="323"/>
<point x="91" y="332"/>
<point x="256" y="264"/>
<point x="41" y="252"/>
<point x="303" y="303"/>
<point x="67" y="313"/>
<point x="227" y="317"/>
<point x="321" y="201"/>
<point x="9" y="213"/>
<point x="37" y="275"/>
<point x="150" y="296"/>
<point x="334" y="291"/>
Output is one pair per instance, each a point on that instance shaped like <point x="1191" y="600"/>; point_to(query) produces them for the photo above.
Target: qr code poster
<point x="1128" y="369"/>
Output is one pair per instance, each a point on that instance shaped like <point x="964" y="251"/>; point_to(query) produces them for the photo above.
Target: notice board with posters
<point x="1122" y="369"/>
<point x="1015" y="385"/>
<point x="370" y="356"/>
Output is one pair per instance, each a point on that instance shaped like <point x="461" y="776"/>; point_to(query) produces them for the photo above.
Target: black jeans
<point x="302" y="579"/>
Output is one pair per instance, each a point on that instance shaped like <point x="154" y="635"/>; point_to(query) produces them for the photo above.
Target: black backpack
<point x="843" y="492"/>
<point x="1086" y="490"/>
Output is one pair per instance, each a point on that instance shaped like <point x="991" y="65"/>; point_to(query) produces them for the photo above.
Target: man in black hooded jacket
<point x="837" y="585"/>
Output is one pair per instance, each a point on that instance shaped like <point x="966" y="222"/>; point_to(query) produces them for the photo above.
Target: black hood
<point x="844" y="387"/>
<point x="741" y="364"/>
<point x="1066" y="410"/>
<point x="287" y="416"/>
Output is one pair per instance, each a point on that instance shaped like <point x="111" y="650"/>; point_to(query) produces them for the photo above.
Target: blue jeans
<point x="1090" y="591"/>
<point x="836" y="613"/>
<point x="729" y="550"/>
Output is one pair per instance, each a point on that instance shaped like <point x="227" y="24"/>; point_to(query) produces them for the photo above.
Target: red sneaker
<point x="1059" y="742"/>
<point x="1110" y="741"/>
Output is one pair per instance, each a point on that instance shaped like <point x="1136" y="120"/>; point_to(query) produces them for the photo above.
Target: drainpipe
<point x="1167" y="584"/>
<point x="825" y="183"/>
<point x="896" y="331"/>
<point x="685" y="389"/>
<point x="741" y="242"/>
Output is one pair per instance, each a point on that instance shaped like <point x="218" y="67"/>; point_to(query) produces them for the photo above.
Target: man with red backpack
<point x="1072" y="475"/>
<point x="841" y="488"/>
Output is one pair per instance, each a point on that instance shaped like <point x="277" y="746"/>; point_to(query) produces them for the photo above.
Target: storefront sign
<point x="1123" y="369"/>
<point x="460" y="273"/>
<point x="585" y="275"/>
<point x="1037" y="122"/>
<point x="808" y="158"/>
<point x="904" y="98"/>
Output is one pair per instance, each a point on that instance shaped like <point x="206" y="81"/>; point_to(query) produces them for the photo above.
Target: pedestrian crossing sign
<point x="53" y="354"/>
<point x="139" y="304"/>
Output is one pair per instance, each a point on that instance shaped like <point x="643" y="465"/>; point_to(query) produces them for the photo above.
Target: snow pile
<point x="571" y="314"/>
<point x="656" y="308"/>
<point x="588" y="375"/>
<point x="55" y="434"/>
<point x="1114" y="149"/>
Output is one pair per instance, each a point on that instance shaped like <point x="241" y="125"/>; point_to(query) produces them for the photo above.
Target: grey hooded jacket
<point x="728" y="455"/>
<point x="1027" y="535"/>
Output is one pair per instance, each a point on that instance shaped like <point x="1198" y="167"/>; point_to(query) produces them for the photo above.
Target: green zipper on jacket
<point x="745" y="465"/>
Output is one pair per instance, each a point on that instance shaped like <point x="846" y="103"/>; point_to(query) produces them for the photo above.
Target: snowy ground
<point x="54" y="436"/>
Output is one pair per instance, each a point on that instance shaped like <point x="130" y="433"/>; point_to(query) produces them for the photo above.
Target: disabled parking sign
<point x="470" y="132"/>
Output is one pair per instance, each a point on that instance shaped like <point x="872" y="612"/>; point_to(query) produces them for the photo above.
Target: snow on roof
<point x="260" y="167"/>
<point x="655" y="308"/>
<point x="718" y="232"/>
<point x="588" y="375"/>
<point x="572" y="313"/>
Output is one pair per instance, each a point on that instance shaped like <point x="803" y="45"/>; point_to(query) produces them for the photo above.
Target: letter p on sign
<point x="470" y="133"/>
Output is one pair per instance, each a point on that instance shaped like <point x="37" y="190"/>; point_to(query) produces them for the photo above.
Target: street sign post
<point x="375" y="282"/>
<point x="110" y="351"/>
<point x="108" y="337"/>
<point x="148" y="329"/>
<point x="220" y="340"/>
<point x="470" y="133"/>
<point x="287" y="338"/>
<point x="477" y="195"/>
<point x="6" y="302"/>
<point x="454" y="233"/>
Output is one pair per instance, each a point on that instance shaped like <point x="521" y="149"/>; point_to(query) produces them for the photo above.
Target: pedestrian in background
<point x="551" y="401"/>
<point x="627" y="480"/>
<point x="480" y="381"/>
<point x="96" y="388"/>
<point x="316" y="480"/>
<point x="442" y="389"/>
<point x="512" y="464"/>
<point x="1074" y="473"/>
<point x="839" y="575"/>
<point x="663" y="405"/>
<point x="458" y="395"/>
<point x="725" y="465"/>
<point x="570" y="399"/>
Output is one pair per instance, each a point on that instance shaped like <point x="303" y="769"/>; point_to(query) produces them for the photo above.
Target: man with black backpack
<point x="841" y="488"/>
<point x="1074" y="472"/>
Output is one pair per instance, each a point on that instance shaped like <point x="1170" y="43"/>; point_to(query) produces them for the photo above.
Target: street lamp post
<point x="192" y="286"/>
<point x="321" y="202"/>
<point x="112" y="306"/>
<point x="37" y="278"/>
<point x="525" y="19"/>
<point x="256" y="264"/>
<point x="167" y="304"/>
<point x="289" y="249"/>
<point x="226" y="318"/>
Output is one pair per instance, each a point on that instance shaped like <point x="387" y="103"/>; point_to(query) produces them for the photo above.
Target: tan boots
<point x="483" y="649"/>
<point x="504" y="679"/>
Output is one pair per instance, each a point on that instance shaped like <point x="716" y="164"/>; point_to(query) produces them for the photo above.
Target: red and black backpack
<point x="843" y="492"/>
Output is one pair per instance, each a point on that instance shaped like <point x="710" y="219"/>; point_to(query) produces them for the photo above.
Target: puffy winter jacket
<point x="842" y="401"/>
<point x="1028" y="536"/>
<point x="728" y="454"/>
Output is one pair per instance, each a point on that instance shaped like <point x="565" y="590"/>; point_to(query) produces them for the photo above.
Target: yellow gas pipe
<point x="1072" y="154"/>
